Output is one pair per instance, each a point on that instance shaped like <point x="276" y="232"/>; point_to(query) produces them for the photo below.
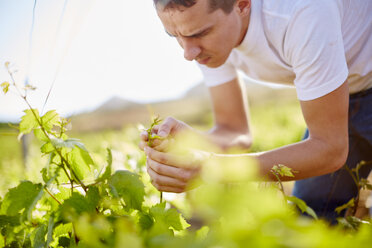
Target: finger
<point x="170" y="159"/>
<point x="169" y="171"/>
<point x="142" y="145"/>
<point x="155" y="129"/>
<point x="156" y="142"/>
<point x="166" y="127"/>
<point x="144" y="136"/>
<point x="163" y="145"/>
<point x="168" y="189"/>
<point x="161" y="180"/>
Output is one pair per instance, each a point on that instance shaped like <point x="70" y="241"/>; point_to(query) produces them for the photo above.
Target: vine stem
<point x="46" y="189"/>
<point x="280" y="182"/>
<point x="45" y="133"/>
<point x="356" y="181"/>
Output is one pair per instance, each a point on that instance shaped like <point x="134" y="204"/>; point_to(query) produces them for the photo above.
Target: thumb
<point x="166" y="127"/>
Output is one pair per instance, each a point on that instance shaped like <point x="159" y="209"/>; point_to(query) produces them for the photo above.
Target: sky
<point x="90" y="51"/>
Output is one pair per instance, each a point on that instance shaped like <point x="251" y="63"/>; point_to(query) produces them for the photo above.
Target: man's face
<point x="207" y="37"/>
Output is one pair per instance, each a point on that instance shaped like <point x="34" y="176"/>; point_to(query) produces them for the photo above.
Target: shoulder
<point x="288" y="10"/>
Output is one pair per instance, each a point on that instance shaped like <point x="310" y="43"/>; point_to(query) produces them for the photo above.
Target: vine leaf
<point x="24" y="196"/>
<point x="38" y="240"/>
<point x="302" y="206"/>
<point x="169" y="217"/>
<point x="68" y="143"/>
<point x="5" y="87"/>
<point x="40" y="135"/>
<point x="29" y="121"/>
<point x="9" y="220"/>
<point x="127" y="185"/>
<point x="283" y="170"/>
<point x="108" y="170"/>
<point x="50" y="119"/>
<point x="81" y="162"/>
<point x="75" y="206"/>
<point x="145" y="221"/>
<point x="349" y="204"/>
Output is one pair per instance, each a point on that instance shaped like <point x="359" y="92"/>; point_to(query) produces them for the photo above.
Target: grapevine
<point x="152" y="136"/>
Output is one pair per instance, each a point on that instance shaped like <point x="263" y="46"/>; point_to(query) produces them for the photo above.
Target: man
<point x="322" y="47"/>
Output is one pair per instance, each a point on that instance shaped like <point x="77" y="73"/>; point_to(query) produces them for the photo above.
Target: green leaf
<point x="364" y="183"/>
<point x="145" y="221"/>
<point x="349" y="204"/>
<point x="29" y="87"/>
<point x="63" y="241"/>
<point x="283" y="170"/>
<point x="40" y="135"/>
<point x="202" y="233"/>
<point x="47" y="148"/>
<point x="39" y="238"/>
<point x="93" y="196"/>
<point x="369" y="186"/>
<point x="50" y="231"/>
<point x="63" y="230"/>
<point x="302" y="206"/>
<point x="75" y="206"/>
<point x="68" y="143"/>
<point x="50" y="119"/>
<point x="24" y="196"/>
<point x="170" y="217"/>
<point x="175" y="220"/>
<point x="29" y="121"/>
<point x="108" y="170"/>
<point x="127" y="185"/>
<point x="80" y="162"/>
<point x="50" y="172"/>
<point x="5" y="87"/>
<point x="9" y="220"/>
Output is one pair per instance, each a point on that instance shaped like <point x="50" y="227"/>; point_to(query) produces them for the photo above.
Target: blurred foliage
<point x="118" y="206"/>
<point x="276" y="124"/>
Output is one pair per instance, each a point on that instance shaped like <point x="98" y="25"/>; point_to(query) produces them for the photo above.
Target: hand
<point x="174" y="173"/>
<point x="169" y="128"/>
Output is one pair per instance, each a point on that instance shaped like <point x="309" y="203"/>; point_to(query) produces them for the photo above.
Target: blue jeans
<point x="325" y="193"/>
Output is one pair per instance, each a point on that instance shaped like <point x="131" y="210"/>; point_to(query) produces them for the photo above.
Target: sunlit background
<point x="90" y="51"/>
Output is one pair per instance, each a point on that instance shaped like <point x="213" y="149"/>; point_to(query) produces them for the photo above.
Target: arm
<point x="323" y="152"/>
<point x="231" y="129"/>
<point x="326" y="148"/>
<point x="231" y="114"/>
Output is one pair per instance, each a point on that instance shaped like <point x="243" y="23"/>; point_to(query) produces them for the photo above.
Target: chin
<point x="215" y="64"/>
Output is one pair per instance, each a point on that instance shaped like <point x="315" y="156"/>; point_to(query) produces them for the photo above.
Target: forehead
<point x="186" y="21"/>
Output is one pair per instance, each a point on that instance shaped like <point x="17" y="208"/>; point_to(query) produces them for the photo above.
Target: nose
<point x="191" y="49"/>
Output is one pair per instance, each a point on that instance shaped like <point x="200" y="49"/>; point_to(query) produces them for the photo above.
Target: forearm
<point x="227" y="139"/>
<point x="308" y="158"/>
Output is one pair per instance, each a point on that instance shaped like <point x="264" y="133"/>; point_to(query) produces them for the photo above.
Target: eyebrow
<point x="193" y="35"/>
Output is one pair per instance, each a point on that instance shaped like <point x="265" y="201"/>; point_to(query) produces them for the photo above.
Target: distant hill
<point x="116" y="103"/>
<point x="193" y="107"/>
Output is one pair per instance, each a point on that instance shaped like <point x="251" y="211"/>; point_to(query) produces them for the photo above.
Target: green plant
<point x="152" y="136"/>
<point x="350" y="220"/>
<point x="79" y="203"/>
<point x="284" y="171"/>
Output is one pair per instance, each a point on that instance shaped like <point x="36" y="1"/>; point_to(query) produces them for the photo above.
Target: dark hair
<point x="225" y="5"/>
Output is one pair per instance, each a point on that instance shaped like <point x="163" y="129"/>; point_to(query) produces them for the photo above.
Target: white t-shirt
<point x="314" y="44"/>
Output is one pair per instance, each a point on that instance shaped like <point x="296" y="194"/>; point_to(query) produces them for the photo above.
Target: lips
<point x="204" y="60"/>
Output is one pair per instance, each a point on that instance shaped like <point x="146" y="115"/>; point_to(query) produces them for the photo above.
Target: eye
<point x="171" y="35"/>
<point x="202" y="34"/>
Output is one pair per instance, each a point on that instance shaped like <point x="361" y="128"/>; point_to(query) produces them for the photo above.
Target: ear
<point x="243" y="6"/>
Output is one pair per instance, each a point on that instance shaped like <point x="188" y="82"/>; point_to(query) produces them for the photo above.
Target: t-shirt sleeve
<point x="218" y="75"/>
<point x="315" y="49"/>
